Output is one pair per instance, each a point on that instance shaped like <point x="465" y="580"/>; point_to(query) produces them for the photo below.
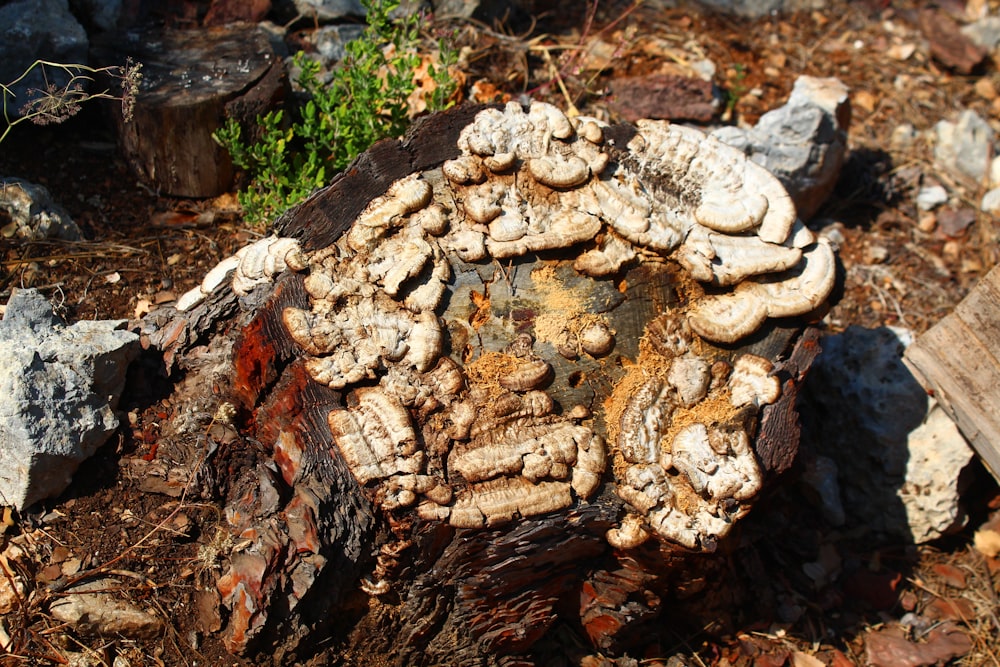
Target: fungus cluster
<point x="480" y="433"/>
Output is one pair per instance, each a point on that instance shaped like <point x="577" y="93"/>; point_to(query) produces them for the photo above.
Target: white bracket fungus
<point x="252" y="265"/>
<point x="437" y="426"/>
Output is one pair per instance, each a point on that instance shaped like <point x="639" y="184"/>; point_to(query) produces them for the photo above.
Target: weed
<point x="737" y="89"/>
<point x="57" y="103"/>
<point x="366" y="100"/>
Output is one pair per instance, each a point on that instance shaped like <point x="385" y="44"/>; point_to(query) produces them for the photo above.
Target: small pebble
<point x="903" y="136"/>
<point x="991" y="202"/>
<point x="930" y="197"/>
<point x="877" y="254"/>
<point x="927" y="222"/>
<point x="972" y="265"/>
<point x="995" y="172"/>
<point x="985" y="89"/>
<point x="950" y="251"/>
<point x="834" y="233"/>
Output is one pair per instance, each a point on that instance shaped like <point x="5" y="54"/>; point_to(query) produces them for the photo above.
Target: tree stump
<point x="192" y="80"/>
<point x="502" y="380"/>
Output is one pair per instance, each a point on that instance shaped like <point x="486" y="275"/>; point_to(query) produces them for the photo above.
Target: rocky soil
<point x="805" y="587"/>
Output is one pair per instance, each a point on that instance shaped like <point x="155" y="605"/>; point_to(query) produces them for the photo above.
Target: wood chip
<point x="948" y="45"/>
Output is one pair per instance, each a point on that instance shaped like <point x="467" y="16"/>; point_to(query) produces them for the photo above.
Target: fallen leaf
<point x="950" y="609"/>
<point x="953" y="222"/>
<point x="164" y="296"/>
<point x="485" y="92"/>
<point x="901" y="51"/>
<point x="890" y="648"/>
<point x="71" y="566"/>
<point x="864" y="100"/>
<point x="7" y="521"/>
<point x="985" y="89"/>
<point x="174" y="219"/>
<point x="948" y="45"/>
<point x="800" y="659"/>
<point x="952" y="575"/>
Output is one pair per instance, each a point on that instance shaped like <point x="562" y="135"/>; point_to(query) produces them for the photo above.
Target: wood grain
<point x="957" y="362"/>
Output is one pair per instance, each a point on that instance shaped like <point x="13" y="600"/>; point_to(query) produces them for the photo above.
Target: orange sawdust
<point x="485" y="372"/>
<point x="650" y="364"/>
<point x="716" y="408"/>
<point x="563" y="307"/>
<point x="483" y="312"/>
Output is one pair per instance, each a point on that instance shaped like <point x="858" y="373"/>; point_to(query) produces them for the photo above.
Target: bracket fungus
<point x="391" y="298"/>
<point x="546" y="318"/>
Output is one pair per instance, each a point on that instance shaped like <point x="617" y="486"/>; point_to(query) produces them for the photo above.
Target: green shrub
<point x="366" y="100"/>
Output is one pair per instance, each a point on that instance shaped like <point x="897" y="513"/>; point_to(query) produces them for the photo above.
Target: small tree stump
<point x="434" y="447"/>
<point x="192" y="80"/>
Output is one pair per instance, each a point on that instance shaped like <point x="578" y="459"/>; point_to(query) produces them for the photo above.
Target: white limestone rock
<point x="897" y="454"/>
<point x="59" y="387"/>
<point x="803" y="143"/>
<point x="34" y="216"/>
<point x="963" y="148"/>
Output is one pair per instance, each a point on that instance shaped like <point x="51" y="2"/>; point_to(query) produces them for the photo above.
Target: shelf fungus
<point x="540" y="314"/>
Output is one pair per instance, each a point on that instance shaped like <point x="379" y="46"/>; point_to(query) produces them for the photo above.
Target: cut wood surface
<point x="192" y="80"/>
<point x="500" y="469"/>
<point x="957" y="362"/>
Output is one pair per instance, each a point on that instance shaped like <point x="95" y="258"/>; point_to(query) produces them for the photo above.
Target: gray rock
<point x="33" y="30"/>
<point x="59" y="387"/>
<point x="930" y="490"/>
<point x="329" y="10"/>
<point x="92" y="609"/>
<point x="803" y="143"/>
<point x="930" y="197"/>
<point x="34" y="216"/>
<point x="330" y="41"/>
<point x="898" y="460"/>
<point x="964" y="148"/>
<point x="758" y="8"/>
<point x="484" y="10"/>
<point x="984" y="33"/>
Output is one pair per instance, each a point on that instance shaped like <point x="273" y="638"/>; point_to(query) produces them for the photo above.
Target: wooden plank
<point x="956" y="361"/>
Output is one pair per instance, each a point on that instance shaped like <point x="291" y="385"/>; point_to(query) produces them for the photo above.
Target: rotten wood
<point x="956" y="361"/>
<point x="324" y="563"/>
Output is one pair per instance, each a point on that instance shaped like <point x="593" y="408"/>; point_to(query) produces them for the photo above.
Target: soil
<point x="806" y="591"/>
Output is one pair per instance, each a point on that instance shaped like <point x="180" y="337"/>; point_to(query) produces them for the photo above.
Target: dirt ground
<point x="901" y="270"/>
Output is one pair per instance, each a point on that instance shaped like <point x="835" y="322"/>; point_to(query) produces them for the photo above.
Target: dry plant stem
<point x="21" y="606"/>
<point x="57" y="104"/>
<point x="160" y="526"/>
